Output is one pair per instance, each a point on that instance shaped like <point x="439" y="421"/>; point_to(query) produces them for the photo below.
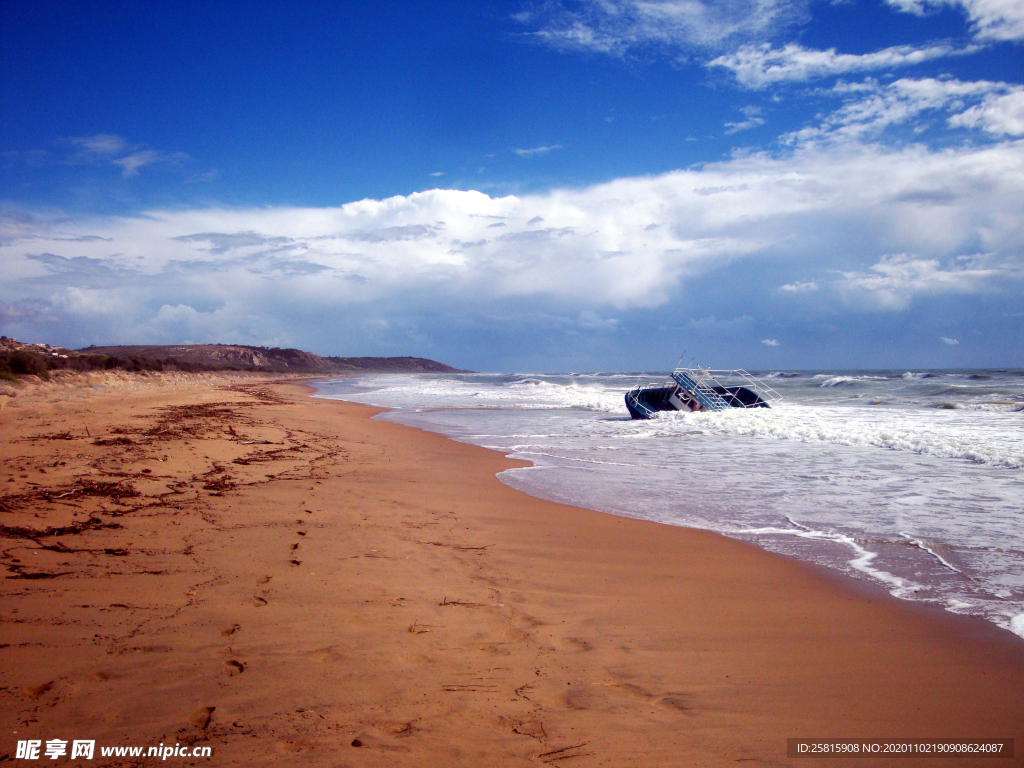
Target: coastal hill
<point x="242" y="357"/>
<point x="20" y="358"/>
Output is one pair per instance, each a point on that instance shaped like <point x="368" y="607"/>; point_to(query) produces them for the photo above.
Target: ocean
<point x="912" y="480"/>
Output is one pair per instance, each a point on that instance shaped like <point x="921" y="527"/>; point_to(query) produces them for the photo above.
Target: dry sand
<point x="233" y="564"/>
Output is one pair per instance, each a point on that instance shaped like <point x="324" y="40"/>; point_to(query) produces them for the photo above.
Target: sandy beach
<point x="227" y="562"/>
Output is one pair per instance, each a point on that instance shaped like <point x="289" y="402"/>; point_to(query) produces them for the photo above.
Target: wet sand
<point x="240" y="566"/>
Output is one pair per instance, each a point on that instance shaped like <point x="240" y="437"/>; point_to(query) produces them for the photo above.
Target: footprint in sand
<point x="201" y="717"/>
<point x="678" y="701"/>
<point x="295" y="562"/>
<point x="292" y="747"/>
<point x="263" y="579"/>
<point x="234" y="667"/>
<point x="259" y="602"/>
<point x="325" y="655"/>
<point x="294" y="547"/>
<point x="37" y="691"/>
<point x="230" y="629"/>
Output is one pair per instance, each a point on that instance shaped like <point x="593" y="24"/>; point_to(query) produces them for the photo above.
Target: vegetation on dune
<point x="27" y="363"/>
<point x="18" y="359"/>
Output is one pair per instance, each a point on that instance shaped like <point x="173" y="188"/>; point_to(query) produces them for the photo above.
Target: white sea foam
<point x="999" y="445"/>
<point x="527" y="393"/>
<point x="925" y="548"/>
<point x="861" y="562"/>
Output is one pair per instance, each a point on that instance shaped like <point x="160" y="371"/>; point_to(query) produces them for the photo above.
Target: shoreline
<point x="342" y="578"/>
<point x="859" y="579"/>
<point x="968" y="625"/>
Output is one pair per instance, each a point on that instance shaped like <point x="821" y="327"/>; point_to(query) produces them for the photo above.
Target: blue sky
<point x="525" y="185"/>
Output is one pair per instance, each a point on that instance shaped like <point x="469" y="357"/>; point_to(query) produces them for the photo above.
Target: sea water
<point x="912" y="480"/>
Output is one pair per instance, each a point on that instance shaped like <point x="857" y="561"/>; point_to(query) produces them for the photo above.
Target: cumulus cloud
<point x="897" y="278"/>
<point x="617" y="26"/>
<point x="990" y="19"/>
<point x="770" y="342"/>
<point x="381" y="268"/>
<point x="998" y="114"/>
<point x="758" y="66"/>
<point x="947" y="340"/>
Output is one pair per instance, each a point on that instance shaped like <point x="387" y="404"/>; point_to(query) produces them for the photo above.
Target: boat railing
<point x="702" y="381"/>
<point x="707" y="378"/>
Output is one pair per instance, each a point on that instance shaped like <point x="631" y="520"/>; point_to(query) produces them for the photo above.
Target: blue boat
<point x="700" y="389"/>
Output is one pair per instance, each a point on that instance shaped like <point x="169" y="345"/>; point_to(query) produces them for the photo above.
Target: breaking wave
<point x="1002" y="446"/>
<point x="835" y="381"/>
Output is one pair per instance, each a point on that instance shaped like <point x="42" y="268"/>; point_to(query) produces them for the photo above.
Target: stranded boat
<point x="700" y="389"/>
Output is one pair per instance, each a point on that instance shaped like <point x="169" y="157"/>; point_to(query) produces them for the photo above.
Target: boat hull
<point x="647" y="402"/>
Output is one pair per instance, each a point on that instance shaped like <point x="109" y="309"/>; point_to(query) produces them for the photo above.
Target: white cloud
<point x="770" y="342"/>
<point x="108" y="148"/>
<point x="131" y="163"/>
<point x="758" y="66"/>
<point x="437" y="173"/>
<point x="872" y="107"/>
<point x="991" y="19"/>
<point x="616" y="26"/>
<point x="754" y="119"/>
<point x="99" y="144"/>
<point x="800" y="286"/>
<point x="743" y="125"/>
<point x="593" y="321"/>
<point x="897" y="278"/>
<point x="947" y="340"/>
<point x="605" y="249"/>
<point x="536" y="150"/>
<point x="1000" y="115"/>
